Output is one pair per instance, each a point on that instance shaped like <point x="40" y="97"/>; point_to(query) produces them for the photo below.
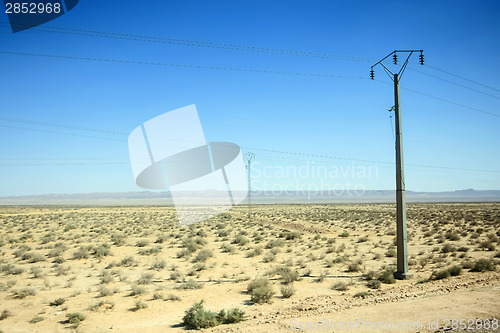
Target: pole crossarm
<point x="394" y="54"/>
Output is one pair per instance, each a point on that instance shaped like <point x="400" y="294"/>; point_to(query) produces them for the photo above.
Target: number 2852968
<point x="32" y="8"/>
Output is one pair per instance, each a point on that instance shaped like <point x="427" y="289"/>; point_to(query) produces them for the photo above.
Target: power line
<point x="297" y="156"/>
<point x="228" y="46"/>
<point x="444" y="100"/>
<point x="182" y="65"/>
<point x="197" y="43"/>
<point x="463" y="78"/>
<point x="457" y="84"/>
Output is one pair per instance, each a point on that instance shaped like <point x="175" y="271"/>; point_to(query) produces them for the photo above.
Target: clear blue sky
<point x="64" y="122"/>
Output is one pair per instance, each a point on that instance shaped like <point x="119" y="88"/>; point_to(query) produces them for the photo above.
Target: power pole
<point x="402" y="249"/>
<point x="248" y="158"/>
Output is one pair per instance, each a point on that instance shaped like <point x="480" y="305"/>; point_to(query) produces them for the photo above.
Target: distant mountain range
<point x="268" y="197"/>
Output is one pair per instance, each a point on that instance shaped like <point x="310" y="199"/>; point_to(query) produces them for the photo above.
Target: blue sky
<point x="64" y="122"/>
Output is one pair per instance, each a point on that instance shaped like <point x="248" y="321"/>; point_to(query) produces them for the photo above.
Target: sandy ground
<point x="93" y="258"/>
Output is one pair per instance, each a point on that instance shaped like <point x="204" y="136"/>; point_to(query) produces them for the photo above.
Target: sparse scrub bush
<point x="145" y="278"/>
<point x="190" y="285"/>
<point x="36" y="319"/>
<point x="483" y="265"/>
<point x="159" y="265"/>
<point x="287" y="291"/>
<point x="24" y="292"/>
<point x="139" y="305"/>
<point x="340" y="286"/>
<point x="373" y="284"/>
<point x="57" y="301"/>
<point x="137" y="290"/>
<point x="5" y="314"/>
<point x="75" y="318"/>
<point x="387" y="276"/>
<point x="203" y="255"/>
<point x="261" y="290"/>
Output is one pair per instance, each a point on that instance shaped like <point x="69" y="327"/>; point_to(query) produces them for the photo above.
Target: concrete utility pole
<point x="402" y="256"/>
<point x="248" y="158"/>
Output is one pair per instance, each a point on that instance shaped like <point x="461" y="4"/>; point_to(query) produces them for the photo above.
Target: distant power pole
<point x="402" y="260"/>
<point x="248" y="158"/>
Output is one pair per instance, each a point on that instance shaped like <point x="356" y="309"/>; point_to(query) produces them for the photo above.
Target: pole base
<point x="402" y="275"/>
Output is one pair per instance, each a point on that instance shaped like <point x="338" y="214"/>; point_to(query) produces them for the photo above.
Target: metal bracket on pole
<point x="401" y="235"/>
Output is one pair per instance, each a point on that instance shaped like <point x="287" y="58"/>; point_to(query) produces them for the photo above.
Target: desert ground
<point x="285" y="268"/>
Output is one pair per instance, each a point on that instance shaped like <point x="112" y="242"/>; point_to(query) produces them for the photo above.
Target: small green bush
<point x="57" y="302"/>
<point x="483" y="265"/>
<point x="197" y="317"/>
<point x="287" y="291"/>
<point x="75" y="318"/>
<point x="261" y="290"/>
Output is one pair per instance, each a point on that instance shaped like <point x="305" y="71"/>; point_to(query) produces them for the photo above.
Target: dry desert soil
<point x="313" y="268"/>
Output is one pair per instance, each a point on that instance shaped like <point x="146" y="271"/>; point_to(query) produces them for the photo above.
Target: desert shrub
<point x="274" y="243"/>
<point x="57" y="301"/>
<point x="354" y="267"/>
<point x="33" y="257"/>
<point x="362" y="294"/>
<point x="5" y="314"/>
<point x="488" y="245"/>
<point x="142" y="243"/>
<point x="102" y="250"/>
<point x="159" y="264"/>
<point x="387" y="276"/>
<point x="288" y="275"/>
<point x="228" y="248"/>
<point x="106" y="277"/>
<point x="256" y="251"/>
<point x="106" y="304"/>
<point x="23" y="293"/>
<point x="344" y="234"/>
<point x="9" y="269"/>
<point x="290" y="235"/>
<point x="105" y="291"/>
<point x="373" y="284"/>
<point x="340" y="286"/>
<point x="203" y="255"/>
<point x="190" y="285"/>
<point x="36" y="319"/>
<point x="139" y="305"/>
<point x="127" y="262"/>
<point x="37" y="272"/>
<point x="197" y="317"/>
<point x="136" y="290"/>
<point x="439" y="275"/>
<point x="75" y="318"/>
<point x="233" y="316"/>
<point x="150" y="251"/>
<point x="447" y="248"/>
<point x="145" y="278"/>
<point x="287" y="291"/>
<point x="260" y="290"/>
<point x="483" y="265"/>
<point x="391" y="253"/>
<point x="455" y="270"/>
<point x="453" y="236"/>
<point x="172" y="297"/>
<point x="269" y="258"/>
<point x="117" y="239"/>
<point x="162" y="238"/>
<point x="240" y="240"/>
<point x="81" y="253"/>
